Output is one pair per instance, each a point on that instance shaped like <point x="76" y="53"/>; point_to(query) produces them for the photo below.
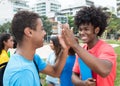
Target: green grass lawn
<point x="117" y="81"/>
<point x="117" y="50"/>
<point x="113" y="42"/>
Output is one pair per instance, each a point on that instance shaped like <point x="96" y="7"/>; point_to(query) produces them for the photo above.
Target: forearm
<point x="56" y="69"/>
<point x="77" y="81"/>
<point x="59" y="65"/>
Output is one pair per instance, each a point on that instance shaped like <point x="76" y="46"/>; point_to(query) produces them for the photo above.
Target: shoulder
<point x="106" y="51"/>
<point x="37" y="58"/>
<point x="4" y="53"/>
<point x="4" y="57"/>
<point x="104" y="46"/>
<point x="40" y="62"/>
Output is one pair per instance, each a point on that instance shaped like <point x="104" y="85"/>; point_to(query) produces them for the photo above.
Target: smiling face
<point x="87" y="33"/>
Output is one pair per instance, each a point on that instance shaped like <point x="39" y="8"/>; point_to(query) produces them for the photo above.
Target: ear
<point x="4" y="42"/>
<point x="97" y="30"/>
<point x="28" y="32"/>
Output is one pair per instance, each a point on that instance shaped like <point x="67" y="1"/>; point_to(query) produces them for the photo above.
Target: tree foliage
<point x="71" y="23"/>
<point x="5" y="27"/>
<point x="113" y="25"/>
<point x="47" y="25"/>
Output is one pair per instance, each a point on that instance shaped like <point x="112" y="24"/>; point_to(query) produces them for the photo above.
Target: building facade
<point x="9" y="7"/>
<point x="118" y="7"/>
<point x="72" y="9"/>
<point x="46" y="7"/>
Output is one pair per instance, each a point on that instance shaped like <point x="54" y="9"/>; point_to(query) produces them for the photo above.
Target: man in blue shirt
<point x="29" y="33"/>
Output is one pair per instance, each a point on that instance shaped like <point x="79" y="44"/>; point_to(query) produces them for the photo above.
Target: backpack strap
<point x="5" y="63"/>
<point x="36" y="66"/>
<point x="37" y="70"/>
<point x="2" y="69"/>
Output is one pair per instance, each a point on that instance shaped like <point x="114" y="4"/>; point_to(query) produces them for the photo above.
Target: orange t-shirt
<point x="102" y="51"/>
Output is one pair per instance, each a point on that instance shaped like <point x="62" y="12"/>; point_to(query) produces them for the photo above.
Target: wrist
<point x="75" y="46"/>
<point x="65" y="50"/>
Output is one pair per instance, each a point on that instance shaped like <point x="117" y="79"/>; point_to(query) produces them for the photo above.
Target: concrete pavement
<point x="45" y="50"/>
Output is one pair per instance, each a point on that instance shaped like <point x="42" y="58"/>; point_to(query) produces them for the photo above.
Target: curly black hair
<point x="21" y="20"/>
<point x="92" y="15"/>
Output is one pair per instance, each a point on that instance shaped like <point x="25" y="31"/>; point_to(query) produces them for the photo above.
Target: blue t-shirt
<point x="85" y="71"/>
<point x="65" y="77"/>
<point x="22" y="72"/>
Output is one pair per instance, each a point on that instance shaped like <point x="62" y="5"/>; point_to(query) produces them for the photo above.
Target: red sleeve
<point x="108" y="54"/>
<point x="76" y="67"/>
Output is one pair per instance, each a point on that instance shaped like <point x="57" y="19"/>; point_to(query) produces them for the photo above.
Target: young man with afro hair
<point x="96" y="54"/>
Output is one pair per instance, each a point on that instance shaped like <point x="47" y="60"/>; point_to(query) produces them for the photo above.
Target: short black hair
<point x="21" y="20"/>
<point x="92" y="15"/>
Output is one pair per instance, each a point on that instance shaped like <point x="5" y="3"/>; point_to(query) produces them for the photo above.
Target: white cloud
<point x="105" y="2"/>
<point x="65" y="3"/>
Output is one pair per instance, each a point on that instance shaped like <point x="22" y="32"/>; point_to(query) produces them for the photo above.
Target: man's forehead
<point x="84" y="25"/>
<point x="40" y="21"/>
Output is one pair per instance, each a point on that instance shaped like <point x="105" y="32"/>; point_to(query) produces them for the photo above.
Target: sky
<point x="100" y="2"/>
<point x="66" y="3"/>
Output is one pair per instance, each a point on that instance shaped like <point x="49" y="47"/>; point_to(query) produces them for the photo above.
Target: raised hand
<point x="62" y="42"/>
<point x="68" y="35"/>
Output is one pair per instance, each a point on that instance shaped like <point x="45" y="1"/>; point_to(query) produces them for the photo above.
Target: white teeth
<point x="83" y="37"/>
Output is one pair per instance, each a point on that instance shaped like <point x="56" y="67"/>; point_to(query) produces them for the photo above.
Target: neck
<point x="6" y="49"/>
<point x="26" y="51"/>
<point x="92" y="44"/>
